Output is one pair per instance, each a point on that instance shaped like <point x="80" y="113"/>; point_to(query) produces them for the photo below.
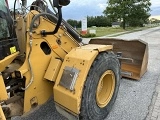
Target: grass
<point x="103" y="31"/>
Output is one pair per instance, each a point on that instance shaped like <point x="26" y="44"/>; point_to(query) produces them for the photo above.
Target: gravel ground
<point x="134" y="97"/>
<point x="45" y="112"/>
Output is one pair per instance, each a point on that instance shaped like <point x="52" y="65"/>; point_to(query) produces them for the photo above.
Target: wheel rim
<point x="105" y="88"/>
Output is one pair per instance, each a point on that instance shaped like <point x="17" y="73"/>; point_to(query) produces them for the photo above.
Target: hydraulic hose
<point x="14" y="10"/>
<point x="69" y="28"/>
<point x="37" y="16"/>
<point x="30" y="66"/>
<point x="58" y="23"/>
<point x="54" y="19"/>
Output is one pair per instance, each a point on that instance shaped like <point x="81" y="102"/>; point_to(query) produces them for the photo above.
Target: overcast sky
<point x="78" y="9"/>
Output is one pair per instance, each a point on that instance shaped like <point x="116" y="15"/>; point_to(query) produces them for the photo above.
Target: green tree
<point x="131" y="12"/>
<point x="74" y="23"/>
<point x="99" y="21"/>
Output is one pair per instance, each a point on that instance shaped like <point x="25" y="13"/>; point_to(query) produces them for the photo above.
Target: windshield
<point x="5" y="21"/>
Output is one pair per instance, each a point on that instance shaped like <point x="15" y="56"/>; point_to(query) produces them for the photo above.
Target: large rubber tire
<point x="90" y="109"/>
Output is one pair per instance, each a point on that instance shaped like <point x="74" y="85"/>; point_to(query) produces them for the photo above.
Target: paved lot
<point x="137" y="100"/>
<point x="135" y="97"/>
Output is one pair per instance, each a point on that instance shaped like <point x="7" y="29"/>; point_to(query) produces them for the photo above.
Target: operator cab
<point x="8" y="41"/>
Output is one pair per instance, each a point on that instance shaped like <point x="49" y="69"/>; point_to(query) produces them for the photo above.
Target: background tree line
<point x="128" y="12"/>
<point x="98" y="21"/>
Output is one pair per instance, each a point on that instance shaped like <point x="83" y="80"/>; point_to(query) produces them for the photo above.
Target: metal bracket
<point x="126" y="73"/>
<point x="69" y="78"/>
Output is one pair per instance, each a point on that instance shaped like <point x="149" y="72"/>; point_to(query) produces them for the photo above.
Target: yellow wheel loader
<point x="42" y="56"/>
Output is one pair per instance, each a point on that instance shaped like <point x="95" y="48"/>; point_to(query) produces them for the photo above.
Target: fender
<point x="69" y="84"/>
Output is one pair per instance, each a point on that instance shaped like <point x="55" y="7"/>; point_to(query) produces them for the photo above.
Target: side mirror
<point x="58" y="3"/>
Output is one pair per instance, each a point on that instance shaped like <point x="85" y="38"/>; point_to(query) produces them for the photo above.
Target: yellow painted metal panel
<point x="53" y="69"/>
<point x="82" y="60"/>
<point x="3" y="92"/>
<point x="7" y="60"/>
<point x="100" y="48"/>
<point x="40" y="88"/>
<point x="2" y="117"/>
<point x="61" y="43"/>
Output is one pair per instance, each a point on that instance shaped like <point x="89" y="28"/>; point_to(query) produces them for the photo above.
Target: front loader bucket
<point x="133" y="55"/>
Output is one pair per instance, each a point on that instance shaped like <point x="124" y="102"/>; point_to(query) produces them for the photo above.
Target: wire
<point x="37" y="16"/>
<point x="34" y="6"/>
<point x="30" y="67"/>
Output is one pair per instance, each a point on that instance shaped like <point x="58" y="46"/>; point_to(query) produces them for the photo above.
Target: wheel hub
<point x="105" y="88"/>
